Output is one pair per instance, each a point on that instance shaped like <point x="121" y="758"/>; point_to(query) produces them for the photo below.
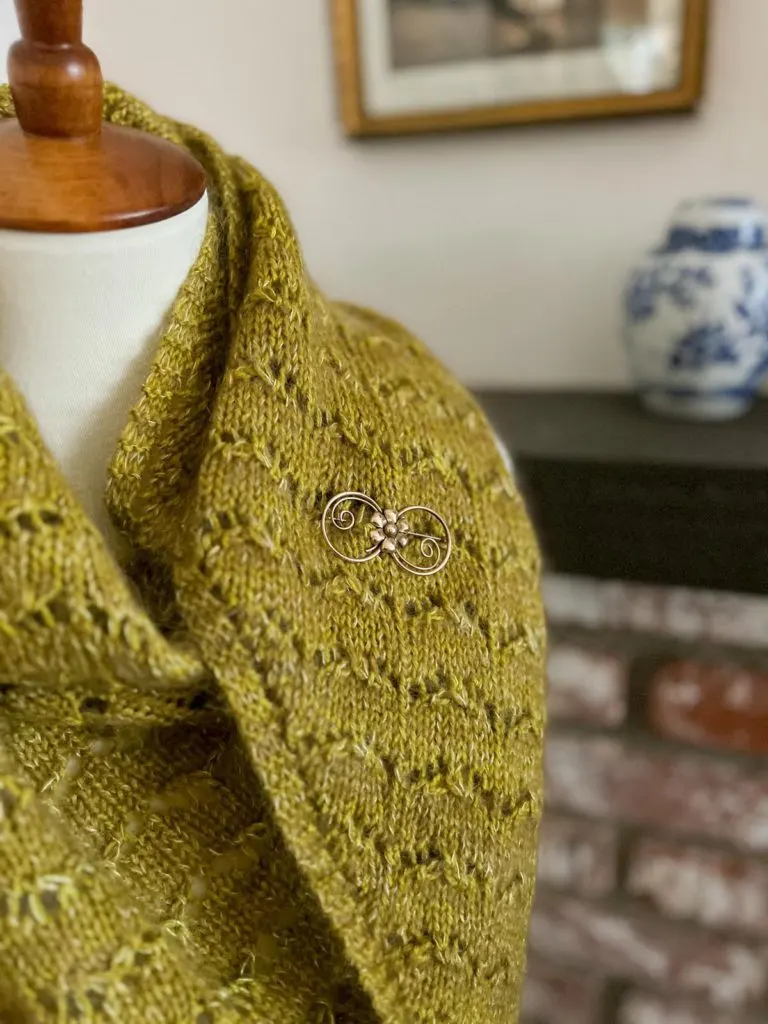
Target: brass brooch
<point x="356" y="517"/>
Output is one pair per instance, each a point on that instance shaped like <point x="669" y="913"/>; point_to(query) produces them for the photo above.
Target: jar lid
<point x="717" y="225"/>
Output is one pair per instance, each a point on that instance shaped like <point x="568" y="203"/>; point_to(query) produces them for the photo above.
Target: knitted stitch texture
<point x="241" y="779"/>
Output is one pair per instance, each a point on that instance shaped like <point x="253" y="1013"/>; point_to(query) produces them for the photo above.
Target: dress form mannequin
<point x="99" y="227"/>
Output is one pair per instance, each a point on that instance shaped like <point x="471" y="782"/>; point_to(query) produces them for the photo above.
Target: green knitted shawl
<point x="242" y="779"/>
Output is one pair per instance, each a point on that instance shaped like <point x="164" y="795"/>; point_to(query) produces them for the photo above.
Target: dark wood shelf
<point x="616" y="493"/>
<point x="613" y="427"/>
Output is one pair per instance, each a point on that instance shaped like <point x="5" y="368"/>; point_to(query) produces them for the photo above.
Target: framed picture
<point x="430" y="65"/>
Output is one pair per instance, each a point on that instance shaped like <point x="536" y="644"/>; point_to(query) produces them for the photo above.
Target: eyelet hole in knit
<point x="50" y="901"/>
<point x="60" y="611"/>
<point x="94" y="705"/>
<point x="51" y="518"/>
<point x="199" y="701"/>
<point x="26" y="522"/>
<point x="226" y="520"/>
<point x="98" y="617"/>
<point x="7" y="803"/>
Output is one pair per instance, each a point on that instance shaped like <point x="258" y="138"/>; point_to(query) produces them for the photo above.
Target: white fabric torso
<point x="80" y="316"/>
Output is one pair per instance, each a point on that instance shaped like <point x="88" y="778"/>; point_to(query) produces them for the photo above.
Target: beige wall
<point x="506" y="251"/>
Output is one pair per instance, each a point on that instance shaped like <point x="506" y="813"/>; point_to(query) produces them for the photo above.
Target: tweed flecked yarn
<point x="241" y="779"/>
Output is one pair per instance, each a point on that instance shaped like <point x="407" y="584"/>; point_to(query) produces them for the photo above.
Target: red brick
<point x="639" y="1008"/>
<point x="724" y="707"/>
<point x="713" y="888"/>
<point x="669" y="611"/>
<point x="552" y="991"/>
<point x="632" y="946"/>
<point x="609" y="779"/>
<point x="585" y="686"/>
<point x="577" y="856"/>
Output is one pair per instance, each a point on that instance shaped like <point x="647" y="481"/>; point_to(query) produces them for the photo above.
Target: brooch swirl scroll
<point x="416" y="538"/>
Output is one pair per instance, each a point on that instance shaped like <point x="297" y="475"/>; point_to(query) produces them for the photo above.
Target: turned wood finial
<point x="56" y="80"/>
<point x="61" y="168"/>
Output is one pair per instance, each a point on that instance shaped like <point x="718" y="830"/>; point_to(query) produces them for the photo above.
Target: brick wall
<point x="652" y="905"/>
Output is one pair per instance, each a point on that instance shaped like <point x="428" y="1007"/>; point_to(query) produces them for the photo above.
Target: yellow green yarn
<point x="242" y="780"/>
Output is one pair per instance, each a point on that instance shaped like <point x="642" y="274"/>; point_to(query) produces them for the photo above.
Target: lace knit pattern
<point x="241" y="779"/>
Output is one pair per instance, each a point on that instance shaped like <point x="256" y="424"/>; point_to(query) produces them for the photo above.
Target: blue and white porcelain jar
<point x="697" y="312"/>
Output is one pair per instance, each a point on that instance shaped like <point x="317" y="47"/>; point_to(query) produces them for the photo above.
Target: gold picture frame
<point x="360" y="116"/>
